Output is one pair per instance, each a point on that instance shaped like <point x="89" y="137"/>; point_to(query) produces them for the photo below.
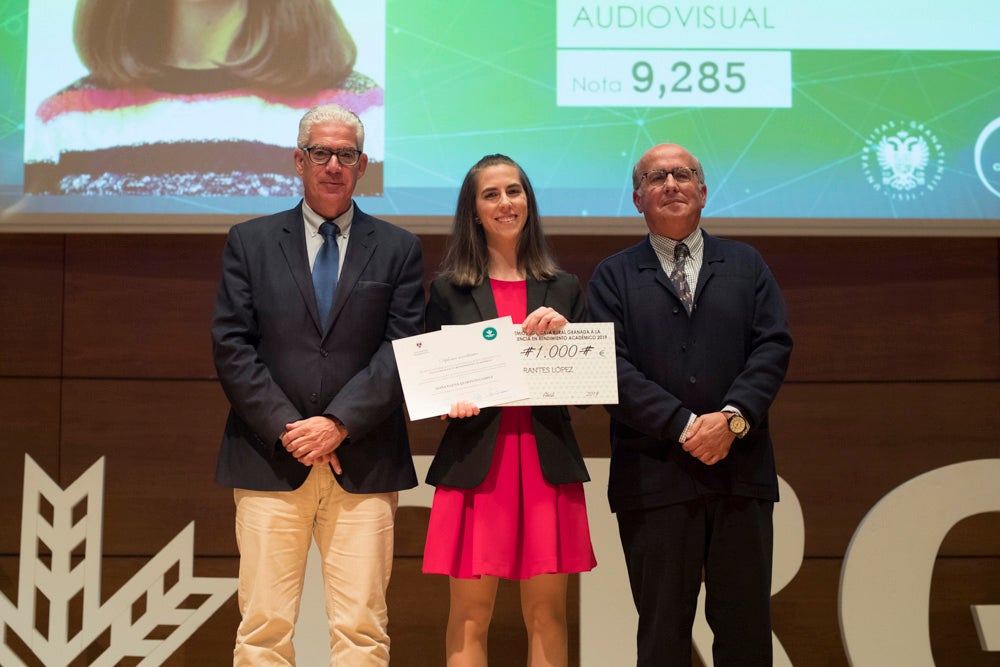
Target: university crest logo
<point x="903" y="160"/>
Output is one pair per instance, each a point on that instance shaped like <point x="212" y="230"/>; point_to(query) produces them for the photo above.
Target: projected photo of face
<point x="192" y="98"/>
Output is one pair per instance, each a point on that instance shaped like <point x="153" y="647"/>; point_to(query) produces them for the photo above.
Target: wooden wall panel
<point x="160" y="440"/>
<point x="869" y="309"/>
<point x="411" y="531"/>
<point x="140" y="306"/>
<point x="31" y="294"/>
<point x="843" y="446"/>
<point x="859" y="310"/>
<point x="901" y="309"/>
<point x="959" y="583"/>
<point x="896" y="372"/>
<point x="804" y="615"/>
<point x="425" y="435"/>
<point x="29" y="413"/>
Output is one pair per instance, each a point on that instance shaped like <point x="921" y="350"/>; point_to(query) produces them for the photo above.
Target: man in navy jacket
<point x="315" y="446"/>
<point x="703" y="346"/>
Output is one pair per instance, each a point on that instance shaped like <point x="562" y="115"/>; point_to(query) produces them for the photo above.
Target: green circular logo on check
<point x="489" y="333"/>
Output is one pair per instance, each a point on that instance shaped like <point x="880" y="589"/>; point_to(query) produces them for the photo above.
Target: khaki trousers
<point x="354" y="533"/>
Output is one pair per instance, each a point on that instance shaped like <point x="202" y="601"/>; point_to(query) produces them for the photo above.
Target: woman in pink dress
<point x="509" y="501"/>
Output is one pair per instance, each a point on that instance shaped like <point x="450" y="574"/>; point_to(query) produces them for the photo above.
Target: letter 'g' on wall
<point x="885" y="580"/>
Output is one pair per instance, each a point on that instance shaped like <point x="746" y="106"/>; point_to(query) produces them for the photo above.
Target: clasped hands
<point x="314" y="441"/>
<point x="542" y="320"/>
<point x="709" y="438"/>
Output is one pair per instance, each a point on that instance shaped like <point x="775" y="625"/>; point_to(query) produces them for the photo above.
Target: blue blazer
<point x="277" y="364"/>
<point x="466" y="451"/>
<point x="733" y="349"/>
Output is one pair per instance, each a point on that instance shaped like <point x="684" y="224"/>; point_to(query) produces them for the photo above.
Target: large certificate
<point x="575" y="366"/>
<point x="474" y="362"/>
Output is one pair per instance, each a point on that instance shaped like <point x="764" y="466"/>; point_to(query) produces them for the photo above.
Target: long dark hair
<point x="466" y="261"/>
<point x="294" y="47"/>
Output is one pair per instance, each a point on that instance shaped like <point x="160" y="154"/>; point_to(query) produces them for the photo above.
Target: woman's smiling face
<point x="501" y="203"/>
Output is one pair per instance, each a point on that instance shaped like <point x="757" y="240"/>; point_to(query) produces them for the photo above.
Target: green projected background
<point x="13" y="30"/>
<point x="867" y="133"/>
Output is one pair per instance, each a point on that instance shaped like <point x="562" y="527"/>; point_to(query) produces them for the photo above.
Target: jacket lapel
<point x="648" y="261"/>
<point x="482" y="295"/>
<point x="712" y="254"/>
<point x="292" y="242"/>
<point x="360" y="249"/>
<point x="536" y="294"/>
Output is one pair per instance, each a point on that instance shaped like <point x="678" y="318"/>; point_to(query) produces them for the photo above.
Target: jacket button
<point x="676" y="310"/>
<point x="324" y="353"/>
<point x="693" y="380"/>
<point x="313" y="397"/>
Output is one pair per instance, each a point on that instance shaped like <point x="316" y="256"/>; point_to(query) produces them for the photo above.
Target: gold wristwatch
<point x="738" y="426"/>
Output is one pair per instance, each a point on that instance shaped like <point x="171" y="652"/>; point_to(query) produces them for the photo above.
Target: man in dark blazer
<point x="315" y="445"/>
<point x="703" y="345"/>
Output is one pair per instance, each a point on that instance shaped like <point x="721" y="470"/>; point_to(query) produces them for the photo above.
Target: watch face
<point x="737" y="424"/>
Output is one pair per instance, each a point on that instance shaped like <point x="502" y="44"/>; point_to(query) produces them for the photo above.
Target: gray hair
<point x="328" y="113"/>
<point x="637" y="175"/>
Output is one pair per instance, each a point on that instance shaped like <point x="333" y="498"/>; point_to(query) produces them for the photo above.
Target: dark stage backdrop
<point x="105" y="353"/>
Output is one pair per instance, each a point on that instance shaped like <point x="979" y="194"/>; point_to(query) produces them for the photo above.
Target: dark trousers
<point x="667" y="549"/>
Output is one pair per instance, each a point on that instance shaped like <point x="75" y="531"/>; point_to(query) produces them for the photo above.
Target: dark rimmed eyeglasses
<point x="657" y="177"/>
<point x="347" y="157"/>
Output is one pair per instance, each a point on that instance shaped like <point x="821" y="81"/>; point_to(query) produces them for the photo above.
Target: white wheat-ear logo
<point x="52" y="590"/>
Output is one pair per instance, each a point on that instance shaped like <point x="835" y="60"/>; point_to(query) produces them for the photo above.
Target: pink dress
<point x="515" y="524"/>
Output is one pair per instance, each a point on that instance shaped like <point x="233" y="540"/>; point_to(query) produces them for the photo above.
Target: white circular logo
<point x="987" y="156"/>
<point x="902" y="160"/>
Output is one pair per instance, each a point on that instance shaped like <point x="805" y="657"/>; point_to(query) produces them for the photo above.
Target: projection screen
<point x="809" y="118"/>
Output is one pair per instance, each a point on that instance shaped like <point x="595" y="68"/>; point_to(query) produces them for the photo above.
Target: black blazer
<point x="733" y="349"/>
<point x="466" y="451"/>
<point x="278" y="365"/>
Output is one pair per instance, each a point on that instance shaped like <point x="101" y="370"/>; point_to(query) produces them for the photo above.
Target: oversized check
<point x="575" y="366"/>
<point x="474" y="362"/>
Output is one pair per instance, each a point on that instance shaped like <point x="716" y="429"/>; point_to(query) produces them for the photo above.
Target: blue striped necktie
<point x="325" y="267"/>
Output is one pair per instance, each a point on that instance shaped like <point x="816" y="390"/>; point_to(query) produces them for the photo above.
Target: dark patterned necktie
<point x="325" y="267"/>
<point x="679" y="278"/>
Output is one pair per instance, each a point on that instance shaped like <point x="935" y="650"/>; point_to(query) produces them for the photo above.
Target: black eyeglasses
<point x="347" y="157"/>
<point x="657" y="177"/>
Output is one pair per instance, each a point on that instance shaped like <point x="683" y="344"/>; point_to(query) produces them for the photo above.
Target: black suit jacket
<point x="278" y="365"/>
<point x="466" y="451"/>
<point x="732" y="350"/>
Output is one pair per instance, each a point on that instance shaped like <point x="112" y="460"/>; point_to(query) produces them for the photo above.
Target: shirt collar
<point x="314" y="219"/>
<point x="665" y="246"/>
